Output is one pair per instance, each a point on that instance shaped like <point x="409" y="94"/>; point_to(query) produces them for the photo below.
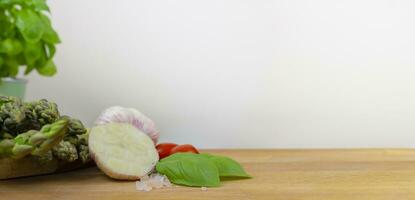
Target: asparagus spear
<point x="75" y="143"/>
<point x="54" y="133"/>
<point x="12" y="114"/>
<point x="20" y="121"/>
<point x="43" y="111"/>
<point x="18" y="117"/>
<point x="65" y="151"/>
<point x="34" y="142"/>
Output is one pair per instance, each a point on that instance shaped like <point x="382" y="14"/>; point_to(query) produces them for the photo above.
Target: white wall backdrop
<point x="242" y="73"/>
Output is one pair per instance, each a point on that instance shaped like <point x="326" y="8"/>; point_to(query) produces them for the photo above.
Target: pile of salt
<point x="155" y="180"/>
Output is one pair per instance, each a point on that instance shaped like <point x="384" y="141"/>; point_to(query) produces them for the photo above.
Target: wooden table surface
<point x="278" y="174"/>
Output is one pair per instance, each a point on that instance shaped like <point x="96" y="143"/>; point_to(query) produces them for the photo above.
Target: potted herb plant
<point x="27" y="39"/>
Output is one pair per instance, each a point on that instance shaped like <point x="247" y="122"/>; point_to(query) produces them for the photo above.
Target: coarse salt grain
<point x="142" y="185"/>
<point x="155" y="180"/>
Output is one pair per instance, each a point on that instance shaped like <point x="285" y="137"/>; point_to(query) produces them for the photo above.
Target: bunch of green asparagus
<point x="37" y="129"/>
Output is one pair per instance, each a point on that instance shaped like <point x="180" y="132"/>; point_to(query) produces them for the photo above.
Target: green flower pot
<point x="13" y="87"/>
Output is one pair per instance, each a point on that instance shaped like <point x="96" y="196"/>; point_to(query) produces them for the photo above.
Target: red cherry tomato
<point x="184" y="148"/>
<point x="164" y="149"/>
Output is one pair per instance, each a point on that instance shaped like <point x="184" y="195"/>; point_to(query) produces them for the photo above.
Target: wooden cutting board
<point x="30" y="166"/>
<point x="278" y="174"/>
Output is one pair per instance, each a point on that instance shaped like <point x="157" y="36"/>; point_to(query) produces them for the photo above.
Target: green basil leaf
<point x="50" y="50"/>
<point x="30" y="25"/>
<point x="21" y="59"/>
<point x="49" y="69"/>
<point x="227" y="167"/>
<point x="12" y="67"/>
<point x="7" y="28"/>
<point x="32" y="52"/>
<point x="3" y="71"/>
<point x="50" y="36"/>
<point x="189" y="169"/>
<point x="9" y="2"/>
<point x="29" y="68"/>
<point x="10" y="47"/>
<point x="39" y="5"/>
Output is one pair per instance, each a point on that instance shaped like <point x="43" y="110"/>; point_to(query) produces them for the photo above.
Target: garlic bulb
<point x="131" y="116"/>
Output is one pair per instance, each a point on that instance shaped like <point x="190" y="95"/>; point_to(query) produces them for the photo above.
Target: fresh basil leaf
<point x="10" y="47"/>
<point x="21" y="59"/>
<point x="32" y="52"/>
<point x="9" y="2"/>
<point x="41" y="61"/>
<point x="50" y="36"/>
<point x="39" y="5"/>
<point x="3" y="71"/>
<point x="49" y="69"/>
<point x="12" y="66"/>
<point x="227" y="167"/>
<point x="30" y="25"/>
<point x="29" y="68"/>
<point x="189" y="169"/>
<point x="50" y="50"/>
<point x="7" y="28"/>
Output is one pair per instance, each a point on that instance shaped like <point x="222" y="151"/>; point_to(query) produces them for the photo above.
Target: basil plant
<point x="27" y="38"/>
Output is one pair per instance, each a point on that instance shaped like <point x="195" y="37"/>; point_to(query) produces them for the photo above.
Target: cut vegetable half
<point x="129" y="115"/>
<point x="122" y="151"/>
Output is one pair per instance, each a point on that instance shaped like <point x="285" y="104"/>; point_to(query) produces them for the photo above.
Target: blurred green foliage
<point x="27" y="38"/>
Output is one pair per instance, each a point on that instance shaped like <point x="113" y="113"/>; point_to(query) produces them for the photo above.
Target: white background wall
<point x="242" y="73"/>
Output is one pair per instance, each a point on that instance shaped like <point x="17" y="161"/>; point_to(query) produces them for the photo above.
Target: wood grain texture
<point x="278" y="174"/>
<point x="30" y="166"/>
